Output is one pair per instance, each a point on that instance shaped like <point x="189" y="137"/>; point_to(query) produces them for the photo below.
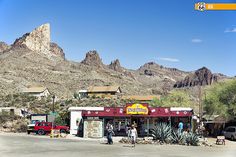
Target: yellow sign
<point x="201" y="6"/>
<point x="137" y="109"/>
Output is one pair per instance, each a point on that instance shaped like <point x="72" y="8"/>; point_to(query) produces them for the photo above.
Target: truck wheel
<point x="232" y="138"/>
<point x="62" y="131"/>
<point x="28" y="132"/>
<point x="41" y="132"/>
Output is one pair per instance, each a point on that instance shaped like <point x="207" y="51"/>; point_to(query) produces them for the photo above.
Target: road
<point x="30" y="146"/>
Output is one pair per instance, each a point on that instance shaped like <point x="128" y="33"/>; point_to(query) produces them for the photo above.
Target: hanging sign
<point x="137" y="109"/>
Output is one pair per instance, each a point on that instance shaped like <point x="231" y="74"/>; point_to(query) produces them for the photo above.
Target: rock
<point x="57" y="50"/>
<point x="115" y="65"/>
<point x="92" y="58"/>
<point x="3" y="47"/>
<point x="202" y="77"/>
<point x="38" y="40"/>
<point x="148" y="72"/>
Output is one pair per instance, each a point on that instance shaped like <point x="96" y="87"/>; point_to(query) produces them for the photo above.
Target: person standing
<point x="110" y="131"/>
<point x="133" y="135"/>
<point x="181" y="126"/>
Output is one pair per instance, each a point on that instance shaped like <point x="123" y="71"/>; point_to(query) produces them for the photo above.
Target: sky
<point x="168" y="32"/>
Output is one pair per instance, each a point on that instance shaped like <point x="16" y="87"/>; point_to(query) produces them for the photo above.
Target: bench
<point x="220" y="139"/>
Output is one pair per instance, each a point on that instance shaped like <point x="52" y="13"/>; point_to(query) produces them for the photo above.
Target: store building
<point x="91" y="121"/>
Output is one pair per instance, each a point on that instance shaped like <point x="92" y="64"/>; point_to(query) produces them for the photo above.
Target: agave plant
<point x="161" y="132"/>
<point x="192" y="139"/>
<point x="178" y="137"/>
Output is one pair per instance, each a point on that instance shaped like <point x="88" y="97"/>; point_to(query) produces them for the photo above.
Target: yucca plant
<point x="178" y="137"/>
<point x="162" y="132"/>
<point x="192" y="139"/>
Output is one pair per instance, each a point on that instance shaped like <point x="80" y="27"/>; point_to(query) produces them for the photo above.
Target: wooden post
<point x="148" y="127"/>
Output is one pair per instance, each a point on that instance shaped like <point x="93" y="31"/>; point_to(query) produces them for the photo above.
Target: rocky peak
<point x="150" y="65"/>
<point x="57" y="50"/>
<point x="92" y="58"/>
<point x="115" y="65"/>
<point x="38" y="40"/>
<point x="3" y="47"/>
<point x="202" y="76"/>
<point x="149" y="68"/>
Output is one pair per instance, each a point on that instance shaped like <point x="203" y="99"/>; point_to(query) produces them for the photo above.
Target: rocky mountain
<point x="34" y="60"/>
<point x="202" y="77"/>
<point x="39" y="41"/>
<point x="93" y="59"/>
<point x="115" y="65"/>
<point x="3" y="47"/>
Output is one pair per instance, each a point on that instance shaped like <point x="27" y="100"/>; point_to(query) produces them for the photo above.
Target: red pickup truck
<point x="42" y="128"/>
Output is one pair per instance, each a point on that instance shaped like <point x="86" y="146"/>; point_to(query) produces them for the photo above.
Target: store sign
<point x="92" y="118"/>
<point x="137" y="109"/>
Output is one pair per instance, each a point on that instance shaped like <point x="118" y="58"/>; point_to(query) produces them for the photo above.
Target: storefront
<point x="92" y="122"/>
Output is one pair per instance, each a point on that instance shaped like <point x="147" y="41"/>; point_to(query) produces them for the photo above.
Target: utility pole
<point x="200" y="102"/>
<point x="53" y="102"/>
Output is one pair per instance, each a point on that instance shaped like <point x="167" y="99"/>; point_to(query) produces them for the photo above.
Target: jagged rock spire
<point x="92" y="58"/>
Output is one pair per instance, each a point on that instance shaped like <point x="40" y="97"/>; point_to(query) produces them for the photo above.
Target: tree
<point x="176" y="98"/>
<point x="220" y="99"/>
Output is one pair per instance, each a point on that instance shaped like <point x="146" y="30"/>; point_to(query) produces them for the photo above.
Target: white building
<point x="76" y="116"/>
<point x="14" y="111"/>
<point x="37" y="91"/>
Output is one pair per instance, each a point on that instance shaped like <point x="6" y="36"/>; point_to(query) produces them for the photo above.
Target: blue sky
<point x="168" y="32"/>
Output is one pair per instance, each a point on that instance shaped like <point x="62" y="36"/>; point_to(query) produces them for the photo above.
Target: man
<point x="110" y="131"/>
<point x="181" y="126"/>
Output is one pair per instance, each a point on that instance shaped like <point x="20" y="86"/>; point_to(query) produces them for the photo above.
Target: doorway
<point x="141" y="125"/>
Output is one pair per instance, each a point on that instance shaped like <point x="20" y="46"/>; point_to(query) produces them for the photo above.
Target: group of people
<point x="131" y="132"/>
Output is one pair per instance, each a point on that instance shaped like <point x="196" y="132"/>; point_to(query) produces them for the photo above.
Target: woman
<point x="133" y="135"/>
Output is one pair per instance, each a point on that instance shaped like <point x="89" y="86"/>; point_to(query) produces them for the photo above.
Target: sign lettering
<point x="137" y="109"/>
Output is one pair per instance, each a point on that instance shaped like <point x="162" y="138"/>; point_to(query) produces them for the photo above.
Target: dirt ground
<point x="22" y="145"/>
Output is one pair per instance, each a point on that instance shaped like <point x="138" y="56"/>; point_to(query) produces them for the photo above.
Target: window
<point x="40" y="124"/>
<point x="230" y="130"/>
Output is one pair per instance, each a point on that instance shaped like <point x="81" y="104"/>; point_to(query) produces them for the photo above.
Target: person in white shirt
<point x="133" y="135"/>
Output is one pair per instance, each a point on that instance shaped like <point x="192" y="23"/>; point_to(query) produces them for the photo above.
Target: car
<point x="30" y="127"/>
<point x="230" y="132"/>
<point x="42" y="128"/>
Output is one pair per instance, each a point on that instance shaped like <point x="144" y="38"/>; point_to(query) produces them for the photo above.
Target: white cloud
<point x="196" y="40"/>
<point x="169" y="59"/>
<point x="232" y="30"/>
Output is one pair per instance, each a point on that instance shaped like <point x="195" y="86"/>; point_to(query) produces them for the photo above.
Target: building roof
<point x="181" y="109"/>
<point x="94" y="89"/>
<point x="141" y="97"/>
<point x="86" y="108"/>
<point x="34" y="90"/>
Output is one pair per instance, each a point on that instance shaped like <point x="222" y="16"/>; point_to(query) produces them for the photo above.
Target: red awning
<point x="121" y="112"/>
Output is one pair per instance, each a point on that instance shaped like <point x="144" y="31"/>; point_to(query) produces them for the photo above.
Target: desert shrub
<point x="192" y="139"/>
<point x="20" y="127"/>
<point x="178" y="137"/>
<point x="7" y="117"/>
<point x="162" y="132"/>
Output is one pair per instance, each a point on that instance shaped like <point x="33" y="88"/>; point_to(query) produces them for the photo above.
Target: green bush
<point x="162" y="132"/>
<point x="178" y="137"/>
<point x="165" y="134"/>
<point x="192" y="139"/>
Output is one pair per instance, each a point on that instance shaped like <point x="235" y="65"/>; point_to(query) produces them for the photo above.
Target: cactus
<point x="162" y="132"/>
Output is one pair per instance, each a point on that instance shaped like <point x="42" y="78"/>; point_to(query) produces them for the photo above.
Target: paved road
<point x="30" y="146"/>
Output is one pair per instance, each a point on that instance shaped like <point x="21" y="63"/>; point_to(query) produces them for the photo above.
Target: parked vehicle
<point x="38" y="118"/>
<point x="42" y="128"/>
<point x="230" y="132"/>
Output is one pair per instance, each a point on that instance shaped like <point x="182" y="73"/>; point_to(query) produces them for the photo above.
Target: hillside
<point x="34" y="60"/>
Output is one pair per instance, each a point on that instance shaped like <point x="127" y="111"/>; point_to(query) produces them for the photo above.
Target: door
<point x="228" y="132"/>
